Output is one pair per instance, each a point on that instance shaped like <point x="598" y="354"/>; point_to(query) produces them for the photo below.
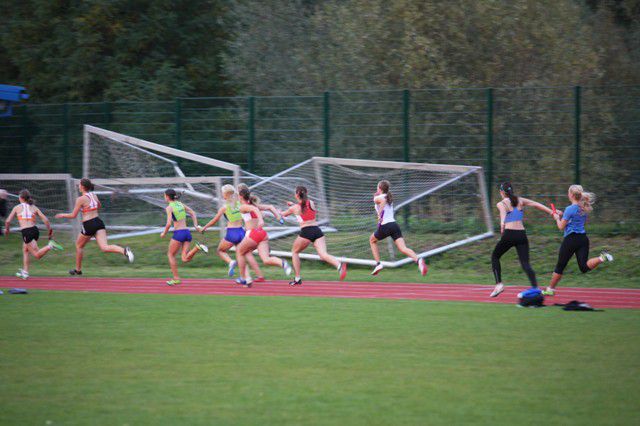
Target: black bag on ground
<point x="576" y="305"/>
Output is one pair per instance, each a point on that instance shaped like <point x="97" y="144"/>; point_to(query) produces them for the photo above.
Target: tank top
<point x="308" y="214"/>
<point x="27" y="213"/>
<point x="387" y="214"/>
<point x="248" y="216"/>
<point x="178" y="213"/>
<point x="94" y="204"/>
<point x="232" y="213"/>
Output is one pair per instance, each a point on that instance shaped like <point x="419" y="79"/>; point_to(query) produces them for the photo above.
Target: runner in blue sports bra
<point x="511" y="210"/>
<point x="235" y="232"/>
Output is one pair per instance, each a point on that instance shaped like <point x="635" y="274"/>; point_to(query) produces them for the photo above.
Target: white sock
<point x="298" y="278"/>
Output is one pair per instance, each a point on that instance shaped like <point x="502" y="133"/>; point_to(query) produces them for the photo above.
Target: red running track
<point x="597" y="297"/>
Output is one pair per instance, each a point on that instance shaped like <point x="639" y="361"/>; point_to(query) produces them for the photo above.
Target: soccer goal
<point x="438" y="207"/>
<point x="52" y="193"/>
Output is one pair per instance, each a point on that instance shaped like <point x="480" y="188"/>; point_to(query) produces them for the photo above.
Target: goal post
<point x="438" y="206"/>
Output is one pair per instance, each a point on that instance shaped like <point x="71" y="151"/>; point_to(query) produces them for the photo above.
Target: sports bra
<point x="178" y="211"/>
<point x="514" y="215"/>
<point x="308" y="214"/>
<point x="248" y="216"/>
<point x="94" y="204"/>
<point x="26" y="213"/>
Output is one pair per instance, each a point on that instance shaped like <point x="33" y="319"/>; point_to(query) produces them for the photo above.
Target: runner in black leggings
<point x="575" y="236"/>
<point x="513" y="234"/>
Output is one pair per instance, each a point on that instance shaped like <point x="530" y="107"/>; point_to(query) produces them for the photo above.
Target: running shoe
<point x="55" y="245"/>
<point x="259" y="280"/>
<point x="377" y="269"/>
<point x="422" y="267"/>
<point x="248" y="283"/>
<point x="232" y="268"/>
<point x="202" y="247"/>
<point x="286" y="267"/>
<point x="75" y="272"/>
<point x="128" y="254"/>
<point x="499" y="288"/>
<point x="22" y="274"/>
<point x="173" y="282"/>
<point x="605" y="256"/>
<point x="240" y="281"/>
<point x="343" y="271"/>
<point x="549" y="292"/>
<point x="295" y="282"/>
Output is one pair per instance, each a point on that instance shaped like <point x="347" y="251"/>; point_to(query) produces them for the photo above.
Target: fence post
<point x="65" y="137"/>
<point x="24" y="148"/>
<point x="405" y="124"/>
<point x="251" y="129"/>
<point x="578" y="135"/>
<point x="327" y="124"/>
<point x="489" y="161"/>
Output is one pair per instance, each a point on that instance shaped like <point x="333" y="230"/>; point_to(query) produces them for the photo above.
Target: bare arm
<point x="45" y="221"/>
<point x="270" y="208"/>
<point x="562" y="223"/>
<point x="7" y="223"/>
<point x="168" y="224"/>
<point x="293" y="209"/>
<point x="74" y="213"/>
<point x="503" y="215"/>
<point x="215" y="219"/>
<point x="536" y="205"/>
<point x="193" y="216"/>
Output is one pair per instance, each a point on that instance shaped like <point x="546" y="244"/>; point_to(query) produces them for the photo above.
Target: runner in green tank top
<point x="181" y="239"/>
<point x="234" y="233"/>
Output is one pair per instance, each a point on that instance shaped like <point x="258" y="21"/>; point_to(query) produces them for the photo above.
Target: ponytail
<point x="384" y="186"/>
<point x="87" y="184"/>
<point x="585" y="199"/>
<point x="302" y="193"/>
<point x="246" y="195"/>
<point x="26" y="196"/>
<point x="172" y="194"/>
<point x="508" y="190"/>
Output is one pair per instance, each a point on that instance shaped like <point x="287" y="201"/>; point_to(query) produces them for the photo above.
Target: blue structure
<point x="10" y="95"/>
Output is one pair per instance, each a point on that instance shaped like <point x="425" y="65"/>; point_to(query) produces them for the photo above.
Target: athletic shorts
<point x="390" y="229"/>
<point x="182" y="235"/>
<point x="91" y="226"/>
<point x="30" y="234"/>
<point x="235" y="235"/>
<point x="311" y="233"/>
<point x="258" y="235"/>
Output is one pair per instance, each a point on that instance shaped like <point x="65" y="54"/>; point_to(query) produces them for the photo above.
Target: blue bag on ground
<point x="531" y="298"/>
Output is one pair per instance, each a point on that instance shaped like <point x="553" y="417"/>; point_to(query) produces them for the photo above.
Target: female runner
<point x="92" y="226"/>
<point x="256" y="237"/>
<point x="310" y="232"/>
<point x="387" y="227"/>
<point x="27" y="212"/>
<point x="181" y="239"/>
<point x="235" y="232"/>
<point x="511" y="209"/>
<point x="575" y="237"/>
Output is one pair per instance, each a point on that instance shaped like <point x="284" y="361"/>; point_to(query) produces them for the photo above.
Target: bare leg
<point x="555" y="279"/>
<point x="263" y="252"/>
<point x="81" y="241"/>
<point x="298" y="246"/>
<point x="174" y="246"/>
<point x="253" y="263"/>
<point x="594" y="262"/>
<point x="25" y="257"/>
<point x="246" y="246"/>
<point x="321" y="247"/>
<point x="406" y="250"/>
<point x="223" y="248"/>
<point x="101" y="239"/>
<point x="187" y="254"/>
<point x="373" y="242"/>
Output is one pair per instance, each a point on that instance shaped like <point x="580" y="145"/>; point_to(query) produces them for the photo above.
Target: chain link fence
<point x="541" y="138"/>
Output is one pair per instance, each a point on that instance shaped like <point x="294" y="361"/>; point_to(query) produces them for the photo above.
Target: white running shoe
<point x="422" y="267"/>
<point x="202" y="247"/>
<point x="605" y="256"/>
<point x="232" y="268"/>
<point x="22" y="274"/>
<point x="128" y="254"/>
<point x="377" y="269"/>
<point x="286" y="267"/>
<point x="499" y="288"/>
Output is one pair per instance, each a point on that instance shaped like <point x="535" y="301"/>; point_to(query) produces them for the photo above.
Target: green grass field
<point x="115" y="359"/>
<point x="139" y="359"/>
